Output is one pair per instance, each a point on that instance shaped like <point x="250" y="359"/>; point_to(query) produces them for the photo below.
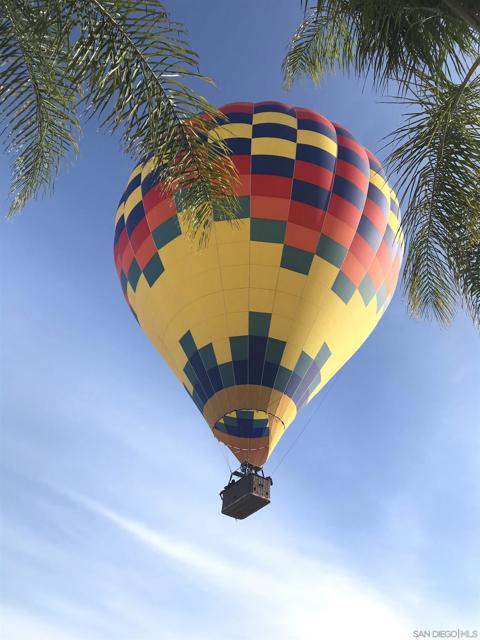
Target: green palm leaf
<point x="128" y="64"/>
<point x="36" y="98"/>
<point x="437" y="156"/>
<point x="133" y="66"/>
<point x="389" y="40"/>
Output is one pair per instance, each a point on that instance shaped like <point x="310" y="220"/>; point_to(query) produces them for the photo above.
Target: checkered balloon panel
<point x="255" y="323"/>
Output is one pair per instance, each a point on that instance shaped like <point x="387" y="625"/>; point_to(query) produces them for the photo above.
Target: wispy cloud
<point x="286" y="595"/>
<point x="18" y="624"/>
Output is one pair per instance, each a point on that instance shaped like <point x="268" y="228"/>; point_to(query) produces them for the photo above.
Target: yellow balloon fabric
<point x="257" y="322"/>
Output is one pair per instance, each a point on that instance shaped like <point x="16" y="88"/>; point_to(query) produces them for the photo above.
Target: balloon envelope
<point x="255" y="323"/>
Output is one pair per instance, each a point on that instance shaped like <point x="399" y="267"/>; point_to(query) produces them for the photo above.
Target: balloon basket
<point x="248" y="493"/>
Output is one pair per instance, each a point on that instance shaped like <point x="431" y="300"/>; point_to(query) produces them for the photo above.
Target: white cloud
<point x="17" y="624"/>
<point x="282" y="594"/>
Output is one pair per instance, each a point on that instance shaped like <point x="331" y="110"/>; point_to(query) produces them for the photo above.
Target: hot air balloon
<point x="259" y="320"/>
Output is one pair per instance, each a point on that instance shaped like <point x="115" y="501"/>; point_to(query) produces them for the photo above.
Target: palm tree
<point x="431" y="49"/>
<point x="125" y="62"/>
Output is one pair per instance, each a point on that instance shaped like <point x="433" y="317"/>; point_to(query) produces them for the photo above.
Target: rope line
<point x="224" y="454"/>
<point x="314" y="411"/>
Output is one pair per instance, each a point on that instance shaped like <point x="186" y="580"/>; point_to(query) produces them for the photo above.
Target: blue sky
<point x="109" y="477"/>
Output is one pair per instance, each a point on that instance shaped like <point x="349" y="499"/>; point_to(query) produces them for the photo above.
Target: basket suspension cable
<point x="224" y="455"/>
<point x="304" y="428"/>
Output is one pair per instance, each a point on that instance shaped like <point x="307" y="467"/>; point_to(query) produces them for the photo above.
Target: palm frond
<point x="36" y="97"/>
<point x="133" y="63"/>
<point x="320" y="44"/>
<point x="437" y="157"/>
<point x="131" y="66"/>
<point x="389" y="40"/>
